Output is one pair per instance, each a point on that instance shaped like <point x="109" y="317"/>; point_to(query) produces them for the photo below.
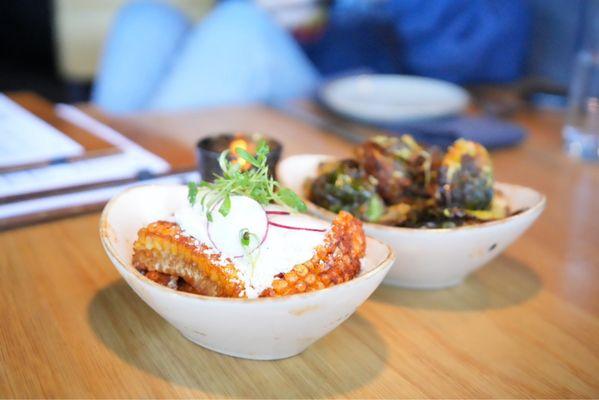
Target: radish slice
<point x="245" y="214"/>
<point x="296" y="228"/>
<point x="278" y="212"/>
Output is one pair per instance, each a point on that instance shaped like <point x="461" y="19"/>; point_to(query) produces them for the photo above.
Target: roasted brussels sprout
<point x="401" y="166"/>
<point x="466" y="177"/>
<point x="344" y="185"/>
<point x="395" y="181"/>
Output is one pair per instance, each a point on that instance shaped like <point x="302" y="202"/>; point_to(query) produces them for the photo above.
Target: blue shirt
<point x="458" y="40"/>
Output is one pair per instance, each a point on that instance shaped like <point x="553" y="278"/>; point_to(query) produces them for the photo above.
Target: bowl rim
<point x="539" y="205"/>
<point x="108" y="247"/>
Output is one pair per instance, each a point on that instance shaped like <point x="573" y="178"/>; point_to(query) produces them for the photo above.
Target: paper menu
<point x="132" y="161"/>
<point x="13" y="214"/>
<point x="109" y="168"/>
<point x="26" y="139"/>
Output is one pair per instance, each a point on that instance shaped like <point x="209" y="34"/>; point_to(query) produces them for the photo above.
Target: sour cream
<point x="274" y="246"/>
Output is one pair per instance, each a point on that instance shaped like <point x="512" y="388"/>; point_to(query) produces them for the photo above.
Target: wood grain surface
<point x="525" y="325"/>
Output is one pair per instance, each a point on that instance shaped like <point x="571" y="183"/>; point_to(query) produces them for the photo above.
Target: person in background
<point x="276" y="50"/>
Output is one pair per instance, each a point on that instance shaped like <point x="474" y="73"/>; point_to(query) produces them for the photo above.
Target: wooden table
<point x="525" y="325"/>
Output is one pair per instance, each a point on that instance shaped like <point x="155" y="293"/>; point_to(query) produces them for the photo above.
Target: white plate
<point x="263" y="328"/>
<point x="431" y="258"/>
<point x="387" y="99"/>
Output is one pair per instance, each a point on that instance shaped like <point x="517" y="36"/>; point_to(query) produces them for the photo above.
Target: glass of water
<point x="581" y="131"/>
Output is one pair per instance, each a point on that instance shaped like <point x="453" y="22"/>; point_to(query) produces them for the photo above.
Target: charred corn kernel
<point x="162" y="247"/>
<point x="214" y="275"/>
<point x="291" y="277"/>
<point x="279" y="285"/>
<point x="301" y="286"/>
<point x="321" y="267"/>
<point x="301" y="270"/>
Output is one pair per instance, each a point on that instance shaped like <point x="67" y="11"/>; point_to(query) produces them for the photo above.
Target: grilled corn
<point x="167" y="256"/>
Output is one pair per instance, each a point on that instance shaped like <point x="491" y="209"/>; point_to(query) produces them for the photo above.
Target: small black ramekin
<point x="208" y="151"/>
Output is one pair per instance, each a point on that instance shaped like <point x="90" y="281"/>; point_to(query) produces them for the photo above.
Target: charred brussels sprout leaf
<point x="375" y="208"/>
<point x="344" y="185"/>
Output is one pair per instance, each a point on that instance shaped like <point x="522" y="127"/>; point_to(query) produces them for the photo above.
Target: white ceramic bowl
<point x="264" y="328"/>
<point x="431" y="258"/>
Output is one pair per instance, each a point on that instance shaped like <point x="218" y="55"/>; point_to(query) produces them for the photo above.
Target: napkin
<point x="491" y="132"/>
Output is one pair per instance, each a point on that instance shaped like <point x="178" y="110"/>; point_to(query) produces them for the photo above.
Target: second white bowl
<point x="430" y="258"/>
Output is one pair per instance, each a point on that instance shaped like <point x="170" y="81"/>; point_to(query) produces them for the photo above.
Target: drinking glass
<point x="581" y="130"/>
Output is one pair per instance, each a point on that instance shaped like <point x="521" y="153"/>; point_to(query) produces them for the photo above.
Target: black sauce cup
<point x="209" y="150"/>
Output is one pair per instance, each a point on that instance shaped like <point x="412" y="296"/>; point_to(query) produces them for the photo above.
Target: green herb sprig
<point x="255" y="183"/>
<point x="246" y="237"/>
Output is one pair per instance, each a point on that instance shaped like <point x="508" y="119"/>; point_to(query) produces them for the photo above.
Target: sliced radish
<point x="271" y="212"/>
<point x="296" y="228"/>
<point x="224" y="232"/>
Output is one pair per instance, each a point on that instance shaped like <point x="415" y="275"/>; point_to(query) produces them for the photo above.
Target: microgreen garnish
<point x="244" y="237"/>
<point x="255" y="183"/>
<point x="225" y="206"/>
<point x="192" y="192"/>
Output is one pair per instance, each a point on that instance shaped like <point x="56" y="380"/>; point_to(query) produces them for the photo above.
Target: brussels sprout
<point x="401" y="166"/>
<point x="344" y="185"/>
<point x="466" y="177"/>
